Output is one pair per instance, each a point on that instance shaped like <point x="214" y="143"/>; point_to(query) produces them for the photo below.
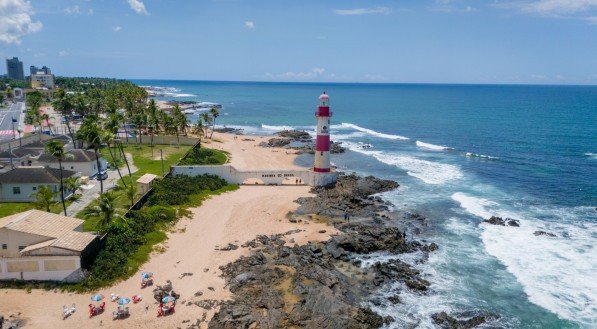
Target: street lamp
<point x="13" y="128"/>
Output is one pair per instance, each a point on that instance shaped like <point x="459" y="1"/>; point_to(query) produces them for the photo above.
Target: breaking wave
<point x="432" y="147"/>
<point x="557" y="273"/>
<point x="368" y="131"/>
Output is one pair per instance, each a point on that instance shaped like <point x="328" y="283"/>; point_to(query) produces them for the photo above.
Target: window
<point x="22" y="247"/>
<point x="71" y="167"/>
<point x="35" y="188"/>
<point x="16" y="190"/>
<point x="4" y="246"/>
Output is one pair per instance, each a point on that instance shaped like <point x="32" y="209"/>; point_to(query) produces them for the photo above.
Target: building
<point x="14" y="69"/>
<point x="145" y="183"/>
<point x="41" y="80"/>
<point x="35" y="70"/>
<point x="20" y="183"/>
<point x="322" y="142"/>
<point x="37" y="245"/>
<point x="77" y="160"/>
<point x="20" y="156"/>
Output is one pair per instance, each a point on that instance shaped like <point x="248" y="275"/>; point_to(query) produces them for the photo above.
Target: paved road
<point x="6" y="115"/>
<point x="92" y="193"/>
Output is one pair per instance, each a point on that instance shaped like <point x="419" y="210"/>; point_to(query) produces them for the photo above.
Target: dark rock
<point x="494" y="220"/>
<point x="512" y="222"/>
<point x="229" y="247"/>
<point x="443" y="320"/>
<point x="539" y="233"/>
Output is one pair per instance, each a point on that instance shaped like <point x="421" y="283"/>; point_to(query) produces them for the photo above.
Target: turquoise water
<point x="462" y="153"/>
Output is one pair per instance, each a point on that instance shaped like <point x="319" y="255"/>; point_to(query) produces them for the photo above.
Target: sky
<point x="404" y="41"/>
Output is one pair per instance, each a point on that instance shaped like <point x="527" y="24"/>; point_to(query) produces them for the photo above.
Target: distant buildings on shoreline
<point x="40" y="78"/>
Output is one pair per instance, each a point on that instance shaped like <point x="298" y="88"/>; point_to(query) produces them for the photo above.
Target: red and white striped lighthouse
<point x="322" y="143"/>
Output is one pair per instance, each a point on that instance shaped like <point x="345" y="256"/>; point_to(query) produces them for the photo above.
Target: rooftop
<point x="60" y="230"/>
<point x="146" y="179"/>
<point x="76" y="155"/>
<point x="34" y="175"/>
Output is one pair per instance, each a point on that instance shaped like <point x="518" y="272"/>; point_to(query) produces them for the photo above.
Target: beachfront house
<point x="77" y="160"/>
<point x="21" y="156"/>
<point x="20" y="183"/>
<point x="37" y="245"/>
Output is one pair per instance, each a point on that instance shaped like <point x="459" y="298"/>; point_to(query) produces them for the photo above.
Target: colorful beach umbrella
<point x="97" y="298"/>
<point x="146" y="275"/>
<point x="124" y="301"/>
<point x="168" y="299"/>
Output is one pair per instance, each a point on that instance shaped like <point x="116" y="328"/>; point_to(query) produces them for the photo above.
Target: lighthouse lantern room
<point x="322" y="143"/>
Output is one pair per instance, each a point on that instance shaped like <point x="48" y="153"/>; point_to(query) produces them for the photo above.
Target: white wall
<point x="42" y="274"/>
<point x="274" y="177"/>
<point x="7" y="195"/>
<point x="14" y="239"/>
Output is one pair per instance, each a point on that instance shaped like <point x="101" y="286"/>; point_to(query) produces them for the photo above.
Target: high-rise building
<point x="14" y="68"/>
<point x="36" y="70"/>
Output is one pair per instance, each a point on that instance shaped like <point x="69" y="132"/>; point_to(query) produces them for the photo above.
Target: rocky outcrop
<point x="351" y="194"/>
<point x="540" y="233"/>
<point x="494" y="220"/>
<point x="300" y="141"/>
<point x="464" y="321"/>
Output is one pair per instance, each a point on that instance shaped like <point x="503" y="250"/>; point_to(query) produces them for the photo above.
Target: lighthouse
<point x="322" y="142"/>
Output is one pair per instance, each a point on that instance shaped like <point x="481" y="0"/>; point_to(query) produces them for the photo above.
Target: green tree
<point x="109" y="140"/>
<point x="131" y="193"/>
<point x="104" y="211"/>
<point x="206" y="120"/>
<point x="72" y="184"/>
<point x="44" y="198"/>
<point x="215" y="113"/>
<point x="56" y="149"/>
<point x="64" y="105"/>
<point x="177" y="120"/>
<point x="91" y="133"/>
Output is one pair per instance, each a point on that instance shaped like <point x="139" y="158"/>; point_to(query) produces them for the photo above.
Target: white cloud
<point x="116" y="28"/>
<point x="250" y="25"/>
<point x="15" y="20"/>
<point x="74" y="10"/>
<point x="63" y="53"/>
<point x="138" y="6"/>
<point x="451" y="6"/>
<point x="315" y="74"/>
<point x="557" y="7"/>
<point x="90" y="12"/>
<point x="362" y="11"/>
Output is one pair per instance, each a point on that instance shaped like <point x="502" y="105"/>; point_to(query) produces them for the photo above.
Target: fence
<point x="160" y="139"/>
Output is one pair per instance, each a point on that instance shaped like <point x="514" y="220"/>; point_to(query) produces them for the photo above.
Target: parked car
<point x="102" y="175"/>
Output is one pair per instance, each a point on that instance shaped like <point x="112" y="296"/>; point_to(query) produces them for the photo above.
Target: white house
<point x="19" y="184"/>
<point x="37" y="245"/>
<point x="81" y="161"/>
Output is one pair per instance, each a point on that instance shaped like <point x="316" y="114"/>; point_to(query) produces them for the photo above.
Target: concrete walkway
<point x="92" y="193"/>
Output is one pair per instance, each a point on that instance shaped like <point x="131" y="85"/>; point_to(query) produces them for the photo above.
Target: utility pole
<point x="162" y="159"/>
<point x="14" y="136"/>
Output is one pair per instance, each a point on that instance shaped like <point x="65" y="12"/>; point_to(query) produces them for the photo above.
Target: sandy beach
<point x="235" y="217"/>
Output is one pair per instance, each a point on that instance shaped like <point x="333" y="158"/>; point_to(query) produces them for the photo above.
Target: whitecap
<point x="481" y="156"/>
<point x="432" y="147"/>
<point x="428" y="171"/>
<point x="368" y="131"/>
<point x="277" y="128"/>
<point x="591" y="155"/>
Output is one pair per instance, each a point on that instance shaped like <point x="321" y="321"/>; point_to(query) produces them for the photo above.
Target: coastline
<point x="231" y="218"/>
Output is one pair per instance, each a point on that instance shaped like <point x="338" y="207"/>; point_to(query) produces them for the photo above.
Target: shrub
<point x="203" y="156"/>
<point x="176" y="190"/>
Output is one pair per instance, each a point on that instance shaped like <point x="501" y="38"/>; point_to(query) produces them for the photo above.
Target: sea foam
<point x="368" y="131"/>
<point x="432" y="147"/>
<point x="556" y="273"/>
<point x="428" y="171"/>
<point x="591" y="155"/>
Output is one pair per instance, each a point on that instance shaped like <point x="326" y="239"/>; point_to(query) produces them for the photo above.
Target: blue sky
<point x="428" y="41"/>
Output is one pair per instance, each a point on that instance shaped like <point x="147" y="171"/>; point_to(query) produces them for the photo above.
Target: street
<point x="6" y="125"/>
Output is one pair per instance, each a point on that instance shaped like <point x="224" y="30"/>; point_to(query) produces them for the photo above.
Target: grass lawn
<point x="10" y="208"/>
<point x="145" y="163"/>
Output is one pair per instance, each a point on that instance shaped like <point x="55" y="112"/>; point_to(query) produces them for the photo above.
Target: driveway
<point x="91" y="191"/>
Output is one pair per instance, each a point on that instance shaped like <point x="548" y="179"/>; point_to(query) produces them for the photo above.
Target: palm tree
<point x="177" y="121"/>
<point x="44" y="198"/>
<point x="131" y="193"/>
<point x="214" y="113"/>
<point x="105" y="210"/>
<point x="56" y="149"/>
<point x="72" y="184"/>
<point x="198" y="129"/>
<point x="206" y="120"/>
<point x="63" y="104"/>
<point x="109" y="139"/>
<point x="152" y="119"/>
<point x="46" y="118"/>
<point x="91" y="133"/>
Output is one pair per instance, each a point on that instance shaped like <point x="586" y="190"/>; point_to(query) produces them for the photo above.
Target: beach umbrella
<point x="146" y="275"/>
<point x="124" y="301"/>
<point x="97" y="298"/>
<point x="168" y="299"/>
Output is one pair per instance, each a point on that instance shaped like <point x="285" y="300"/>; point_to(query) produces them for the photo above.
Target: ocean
<point x="461" y="153"/>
